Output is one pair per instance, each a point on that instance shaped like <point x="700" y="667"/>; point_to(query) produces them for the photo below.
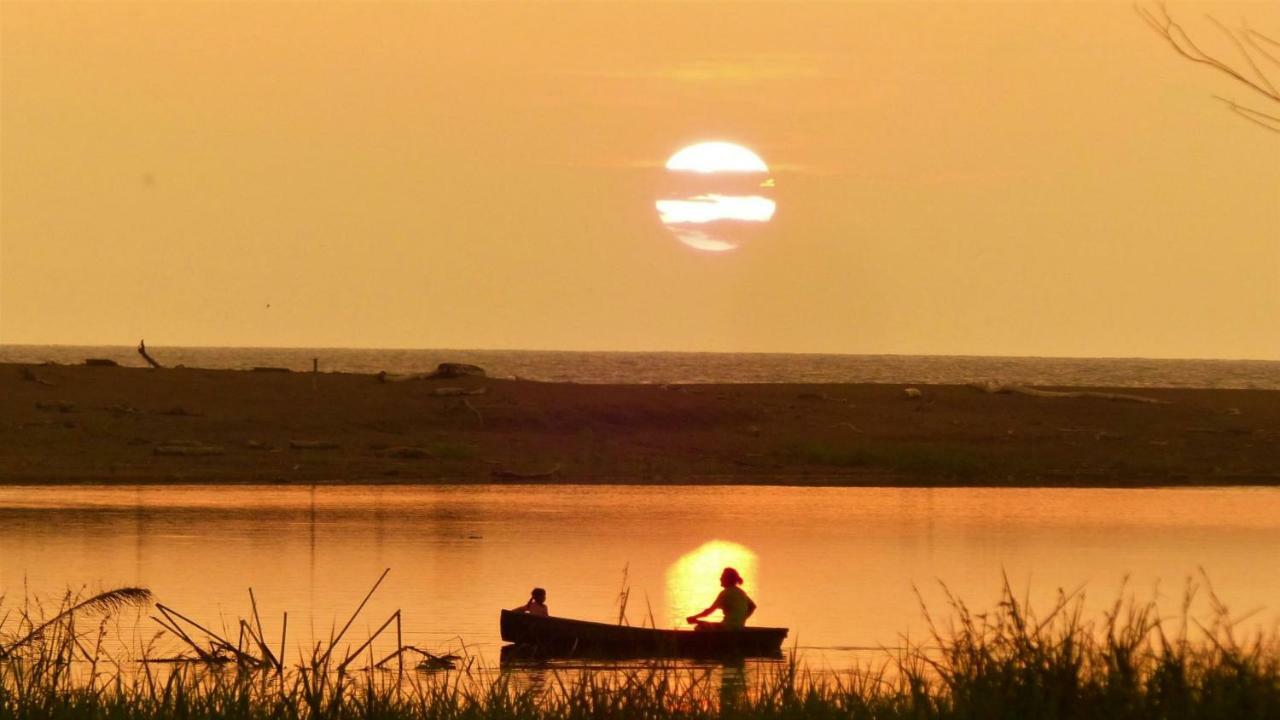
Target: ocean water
<point x="683" y="367"/>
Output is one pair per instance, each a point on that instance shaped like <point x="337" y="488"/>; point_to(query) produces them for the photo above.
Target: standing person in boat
<point x="731" y="601"/>
<point x="537" y="604"/>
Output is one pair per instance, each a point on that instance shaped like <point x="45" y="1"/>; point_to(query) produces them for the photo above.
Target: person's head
<point x="730" y="577"/>
<point x="539" y="595"/>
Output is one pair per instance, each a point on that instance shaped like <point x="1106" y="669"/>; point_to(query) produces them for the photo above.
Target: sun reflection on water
<point x="693" y="580"/>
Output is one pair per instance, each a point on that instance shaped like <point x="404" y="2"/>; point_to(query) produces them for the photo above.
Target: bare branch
<point x="1247" y="41"/>
<point x="1270" y="122"/>
<point x="1264" y="38"/>
<point x="1263" y="80"/>
<point x="1253" y="36"/>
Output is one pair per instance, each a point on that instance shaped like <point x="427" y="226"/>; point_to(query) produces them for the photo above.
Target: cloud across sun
<point x="719" y="198"/>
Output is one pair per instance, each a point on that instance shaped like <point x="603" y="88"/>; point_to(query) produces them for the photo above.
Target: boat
<point x="560" y="637"/>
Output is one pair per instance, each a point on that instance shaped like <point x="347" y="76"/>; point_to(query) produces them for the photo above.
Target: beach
<point x="76" y="423"/>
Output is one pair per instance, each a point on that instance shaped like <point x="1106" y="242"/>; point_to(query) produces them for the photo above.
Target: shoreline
<point x="794" y="481"/>
<point x="64" y="424"/>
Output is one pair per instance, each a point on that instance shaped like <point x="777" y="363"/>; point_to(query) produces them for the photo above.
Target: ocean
<point x="686" y="367"/>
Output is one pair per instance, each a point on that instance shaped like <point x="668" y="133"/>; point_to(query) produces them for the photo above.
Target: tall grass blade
<point x="102" y="603"/>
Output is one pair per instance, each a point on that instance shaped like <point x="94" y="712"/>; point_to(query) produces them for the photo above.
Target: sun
<point x="718" y="196"/>
<point x="691" y="579"/>
<point x="711" y="157"/>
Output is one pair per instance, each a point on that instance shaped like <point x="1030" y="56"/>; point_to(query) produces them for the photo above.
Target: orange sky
<point x="995" y="178"/>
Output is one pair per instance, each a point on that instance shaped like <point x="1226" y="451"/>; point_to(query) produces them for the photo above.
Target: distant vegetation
<point x="1006" y="663"/>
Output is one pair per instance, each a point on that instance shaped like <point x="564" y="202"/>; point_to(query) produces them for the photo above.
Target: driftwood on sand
<point x="443" y="370"/>
<point x="386" y="377"/>
<point x="405" y="452"/>
<point x="994" y="387"/>
<point x="313" y="445"/>
<point x="513" y="475"/>
<point x="479" y="416"/>
<point x="63" y="406"/>
<point x="30" y="375"/>
<point x="142" y="350"/>
<point x="188" y="450"/>
<point x="453" y="370"/>
<point x="457" y="391"/>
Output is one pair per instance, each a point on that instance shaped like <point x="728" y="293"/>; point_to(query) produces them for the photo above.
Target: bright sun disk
<point x="711" y="157"/>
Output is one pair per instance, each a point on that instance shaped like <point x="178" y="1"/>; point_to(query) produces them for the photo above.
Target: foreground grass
<point x="1008" y="663"/>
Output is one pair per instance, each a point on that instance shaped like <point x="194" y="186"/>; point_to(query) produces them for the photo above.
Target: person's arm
<point x="522" y="609"/>
<point x="714" y="606"/>
<point x="751" y="607"/>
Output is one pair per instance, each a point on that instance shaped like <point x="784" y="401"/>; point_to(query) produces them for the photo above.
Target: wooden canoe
<point x="564" y="637"/>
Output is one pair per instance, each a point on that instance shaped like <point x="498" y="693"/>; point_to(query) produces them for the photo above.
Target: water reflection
<point x="840" y="562"/>
<point x="733" y="684"/>
<point x="692" y="580"/>
<point x="728" y="680"/>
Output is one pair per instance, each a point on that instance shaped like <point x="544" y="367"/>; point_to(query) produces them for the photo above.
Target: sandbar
<point x="83" y="424"/>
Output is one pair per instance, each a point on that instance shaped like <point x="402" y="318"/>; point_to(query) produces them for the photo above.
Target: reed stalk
<point x="1007" y="662"/>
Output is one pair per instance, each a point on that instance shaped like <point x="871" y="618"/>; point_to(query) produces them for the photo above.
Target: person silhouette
<point x="537" y="604"/>
<point x="732" y="601"/>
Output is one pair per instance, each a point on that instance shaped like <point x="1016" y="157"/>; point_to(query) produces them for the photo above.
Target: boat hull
<point x="564" y="637"/>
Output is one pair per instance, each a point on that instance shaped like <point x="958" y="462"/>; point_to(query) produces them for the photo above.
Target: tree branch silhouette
<point x="1257" y="51"/>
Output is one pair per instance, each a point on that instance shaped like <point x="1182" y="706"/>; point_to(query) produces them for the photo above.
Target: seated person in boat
<point x="537" y="604"/>
<point x="731" y="601"/>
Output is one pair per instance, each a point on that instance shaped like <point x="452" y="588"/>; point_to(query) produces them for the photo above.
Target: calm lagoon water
<point x="839" y="566"/>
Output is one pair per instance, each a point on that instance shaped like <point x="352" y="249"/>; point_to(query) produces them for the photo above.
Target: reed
<point x="1007" y="662"/>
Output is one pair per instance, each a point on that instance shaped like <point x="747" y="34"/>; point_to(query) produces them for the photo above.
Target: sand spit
<point x="63" y="423"/>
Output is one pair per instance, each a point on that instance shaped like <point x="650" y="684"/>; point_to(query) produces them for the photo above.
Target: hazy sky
<point x="993" y="178"/>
